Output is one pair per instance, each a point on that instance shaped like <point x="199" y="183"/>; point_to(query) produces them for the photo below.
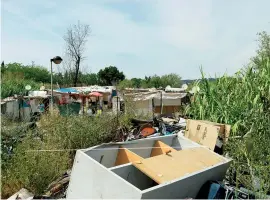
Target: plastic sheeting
<point x="95" y="88"/>
<point x="157" y="96"/>
<point x="37" y="93"/>
<point x="67" y="90"/>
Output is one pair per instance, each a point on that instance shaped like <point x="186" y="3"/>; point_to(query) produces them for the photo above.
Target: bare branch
<point x="76" y="38"/>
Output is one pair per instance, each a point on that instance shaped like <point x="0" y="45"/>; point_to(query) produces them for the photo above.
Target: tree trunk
<point x="77" y="68"/>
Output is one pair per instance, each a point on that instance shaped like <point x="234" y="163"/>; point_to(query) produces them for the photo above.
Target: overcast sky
<point x="141" y="38"/>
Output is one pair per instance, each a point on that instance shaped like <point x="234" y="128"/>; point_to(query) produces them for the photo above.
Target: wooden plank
<point x="169" y="167"/>
<point x="125" y="156"/>
<point x="160" y="148"/>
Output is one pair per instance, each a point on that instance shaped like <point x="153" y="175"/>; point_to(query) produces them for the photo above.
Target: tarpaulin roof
<point x="156" y="95"/>
<point x="96" y="88"/>
<point x="66" y="90"/>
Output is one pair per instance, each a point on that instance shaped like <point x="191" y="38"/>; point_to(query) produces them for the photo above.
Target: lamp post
<point x="56" y="60"/>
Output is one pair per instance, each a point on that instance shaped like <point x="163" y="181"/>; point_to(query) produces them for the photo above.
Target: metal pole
<point x="117" y="112"/>
<point x="51" y="88"/>
<point x="161" y="101"/>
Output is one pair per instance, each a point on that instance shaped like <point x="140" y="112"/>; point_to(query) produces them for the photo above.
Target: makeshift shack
<point x="167" y="167"/>
<point x="156" y="102"/>
<point x="23" y="108"/>
<point x="69" y="98"/>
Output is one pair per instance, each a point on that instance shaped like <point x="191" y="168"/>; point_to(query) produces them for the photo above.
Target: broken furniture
<point x="152" y="168"/>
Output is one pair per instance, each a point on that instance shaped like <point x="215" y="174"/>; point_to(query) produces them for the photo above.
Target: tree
<point x="136" y="82"/>
<point x="76" y="38"/>
<point x="2" y="67"/>
<point x="110" y="76"/>
<point x="155" y="81"/>
<point x="173" y="80"/>
<point x="264" y="49"/>
<point x="90" y="79"/>
<point x="125" y="84"/>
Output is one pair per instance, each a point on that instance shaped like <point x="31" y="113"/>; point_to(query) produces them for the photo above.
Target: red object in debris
<point x="95" y="94"/>
<point x="147" y="131"/>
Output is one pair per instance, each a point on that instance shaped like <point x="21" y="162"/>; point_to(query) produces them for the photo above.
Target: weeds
<point x="34" y="169"/>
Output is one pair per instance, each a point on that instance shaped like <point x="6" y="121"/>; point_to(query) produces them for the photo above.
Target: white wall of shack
<point x="115" y="101"/>
<point x="25" y="114"/>
<point x="12" y="109"/>
<point x="90" y="180"/>
<point x="167" y="102"/>
<point x="143" y="107"/>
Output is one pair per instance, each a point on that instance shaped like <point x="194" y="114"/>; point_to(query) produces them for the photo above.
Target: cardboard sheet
<point x="202" y="133"/>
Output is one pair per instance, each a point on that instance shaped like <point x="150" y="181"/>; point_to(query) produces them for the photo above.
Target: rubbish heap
<point x="205" y="133"/>
<point x="159" y="126"/>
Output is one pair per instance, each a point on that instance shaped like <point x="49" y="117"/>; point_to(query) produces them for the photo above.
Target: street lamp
<point x="56" y="60"/>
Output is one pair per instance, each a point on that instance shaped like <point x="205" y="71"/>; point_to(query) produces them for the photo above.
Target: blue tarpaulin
<point x="67" y="90"/>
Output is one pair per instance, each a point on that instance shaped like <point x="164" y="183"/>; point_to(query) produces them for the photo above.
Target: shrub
<point x="58" y="137"/>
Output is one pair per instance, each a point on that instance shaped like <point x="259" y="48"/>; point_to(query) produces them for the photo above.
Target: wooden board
<point x="177" y="164"/>
<point x="125" y="156"/>
<point x="202" y="133"/>
<point x="160" y="148"/>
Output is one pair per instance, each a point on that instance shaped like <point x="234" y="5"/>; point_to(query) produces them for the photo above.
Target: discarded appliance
<point x="163" y="167"/>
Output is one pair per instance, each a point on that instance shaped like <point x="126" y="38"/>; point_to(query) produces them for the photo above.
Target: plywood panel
<point x="161" y="148"/>
<point x="166" y="168"/>
<point x="125" y="156"/>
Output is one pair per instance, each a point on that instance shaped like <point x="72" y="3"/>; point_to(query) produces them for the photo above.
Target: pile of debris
<point x="56" y="190"/>
<point x="211" y="135"/>
<point x="159" y="126"/>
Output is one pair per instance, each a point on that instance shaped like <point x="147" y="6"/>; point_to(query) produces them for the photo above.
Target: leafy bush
<point x="16" y="86"/>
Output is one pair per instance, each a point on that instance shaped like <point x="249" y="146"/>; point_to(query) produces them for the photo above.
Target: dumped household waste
<point x="159" y="126"/>
<point x="22" y="194"/>
<point x="156" y="166"/>
<point x="209" y="134"/>
<point x="56" y="190"/>
<point x="221" y="190"/>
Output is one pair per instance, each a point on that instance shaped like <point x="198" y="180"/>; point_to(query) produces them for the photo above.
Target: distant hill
<point x="188" y="81"/>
